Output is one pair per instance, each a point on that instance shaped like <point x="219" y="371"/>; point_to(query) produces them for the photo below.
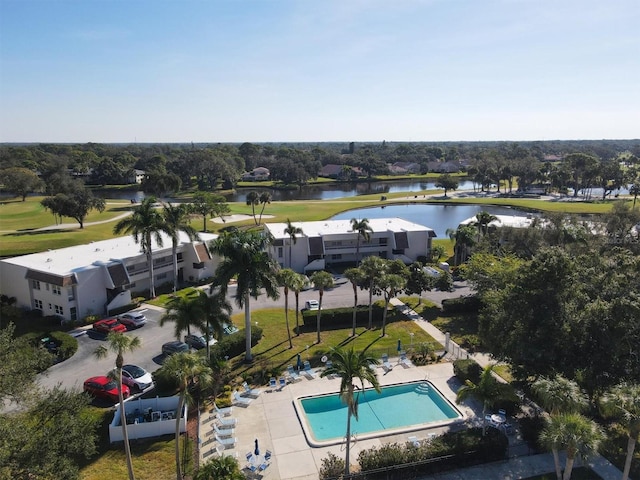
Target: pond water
<point x="438" y="217"/>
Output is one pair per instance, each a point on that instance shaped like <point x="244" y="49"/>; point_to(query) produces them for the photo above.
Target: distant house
<point x="258" y="174"/>
<point x="137" y="176"/>
<point x="98" y="277"/>
<point x="332" y="242"/>
<point x="444" y="167"/>
<point x="404" y="168"/>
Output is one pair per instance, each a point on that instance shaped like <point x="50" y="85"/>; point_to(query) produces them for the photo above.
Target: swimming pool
<point x="397" y="409"/>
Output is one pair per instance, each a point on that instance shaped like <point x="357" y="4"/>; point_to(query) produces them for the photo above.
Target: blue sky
<point x="302" y="70"/>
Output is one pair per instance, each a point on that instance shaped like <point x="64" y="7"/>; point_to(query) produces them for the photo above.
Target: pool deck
<point x="272" y="419"/>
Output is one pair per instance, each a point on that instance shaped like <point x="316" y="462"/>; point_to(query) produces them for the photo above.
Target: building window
<point x="280" y="252"/>
<point x="161" y="276"/>
<point x="336" y="257"/>
<point x="179" y="256"/>
<point x="74" y="313"/>
<point x="71" y="294"/>
<point x="37" y="304"/>
<point x="35" y="284"/>
<point x="382" y="241"/>
<point x="56" y="290"/>
<point x="58" y="310"/>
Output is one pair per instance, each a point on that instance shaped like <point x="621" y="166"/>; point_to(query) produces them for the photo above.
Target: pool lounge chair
<point x="250" y="392"/>
<point x="293" y="375"/>
<point x="227" y="422"/>
<point x="386" y="364"/>
<point x="226" y="432"/>
<point x="328" y="365"/>
<point x="311" y="374"/>
<point x="222" y="412"/>
<point x="404" y="360"/>
<point x="226" y="442"/>
<point x="241" y="401"/>
<point x="414" y="440"/>
<point x="273" y="383"/>
<point x="283" y="383"/>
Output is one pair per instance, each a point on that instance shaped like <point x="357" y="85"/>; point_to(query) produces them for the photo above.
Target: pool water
<point x="396" y="407"/>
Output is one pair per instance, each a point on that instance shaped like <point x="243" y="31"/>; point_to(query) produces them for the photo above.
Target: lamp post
<point x="411" y="335"/>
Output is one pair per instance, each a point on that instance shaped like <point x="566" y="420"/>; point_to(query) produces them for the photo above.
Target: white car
<point x="132" y="319"/>
<point x="136" y="378"/>
<point x="311" y="305"/>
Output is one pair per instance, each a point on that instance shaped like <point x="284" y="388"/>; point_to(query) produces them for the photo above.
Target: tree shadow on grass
<point x="30" y="231"/>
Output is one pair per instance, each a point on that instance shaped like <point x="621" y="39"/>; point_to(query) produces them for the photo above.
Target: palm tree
<point x="560" y="395"/>
<point x="364" y="232"/>
<point x="253" y="198"/>
<point x="287" y="278"/>
<point x="265" y="197"/>
<point x="483" y="219"/>
<point x="224" y="467"/>
<point x="371" y="267"/>
<point x="119" y="343"/>
<point x="189" y="371"/>
<point x="622" y="402"/>
<point x="390" y="284"/>
<point x="577" y="434"/>
<point x="354" y="275"/>
<point x="217" y="311"/>
<point x="321" y="280"/>
<point x="296" y="286"/>
<point x="634" y="190"/>
<point x="488" y="390"/>
<point x="244" y="257"/>
<point x="176" y="220"/>
<point x="145" y="224"/>
<point x="464" y="237"/>
<point x="292" y="231"/>
<point x="351" y="366"/>
<point x="185" y="312"/>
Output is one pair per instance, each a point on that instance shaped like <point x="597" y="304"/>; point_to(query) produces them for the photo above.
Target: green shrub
<point x="331" y="467"/>
<point x="234" y="344"/>
<point x="67" y="345"/>
<point x="530" y="428"/>
<point x="341" y="317"/>
<point x="467" y="369"/>
<point x="470" y="304"/>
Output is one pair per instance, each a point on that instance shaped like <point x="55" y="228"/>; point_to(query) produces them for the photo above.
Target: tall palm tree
<point x="488" y="390"/>
<point x="483" y="219"/>
<point x="119" y="343"/>
<point x="622" y="402"/>
<point x="244" y="257"/>
<point x="265" y="197"/>
<point x="292" y="231"/>
<point x="354" y="275"/>
<point x="464" y="237"/>
<point x="253" y="198"/>
<point x="145" y="224"/>
<point x="634" y="190"/>
<point x="286" y="279"/>
<point x="185" y="312"/>
<point x="296" y="286"/>
<point x="321" y="280"/>
<point x="560" y="395"/>
<point x="371" y="267"/>
<point x="176" y="220"/>
<point x="364" y="232"/>
<point x="189" y="371"/>
<point x="351" y="366"/>
<point x="577" y="434"/>
<point x="217" y="311"/>
<point x="390" y="284"/>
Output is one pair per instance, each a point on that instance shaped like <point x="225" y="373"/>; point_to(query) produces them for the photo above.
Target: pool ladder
<point x="423" y="388"/>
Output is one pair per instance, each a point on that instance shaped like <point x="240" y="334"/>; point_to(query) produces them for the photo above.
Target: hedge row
<point x="342" y="317"/>
<point x="467" y="369"/>
<point x="444" y="452"/>
<point x="235" y="344"/>
<point x="470" y="304"/>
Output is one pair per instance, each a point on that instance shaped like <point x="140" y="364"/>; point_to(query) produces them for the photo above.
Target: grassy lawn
<point x="272" y="354"/>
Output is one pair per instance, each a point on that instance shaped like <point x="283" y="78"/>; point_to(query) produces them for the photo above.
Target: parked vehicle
<point x="104" y="388"/>
<point x="109" y="325"/>
<point x="132" y="319"/>
<point x="311" y="305"/>
<point x="198" y="341"/>
<point x="136" y="378"/>
<point x="175" y="346"/>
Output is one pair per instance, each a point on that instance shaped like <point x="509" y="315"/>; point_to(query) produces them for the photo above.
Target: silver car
<point x="136" y="378"/>
<point x="132" y="319"/>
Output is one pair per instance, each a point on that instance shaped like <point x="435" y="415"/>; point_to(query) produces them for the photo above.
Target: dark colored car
<point x="109" y="325"/>
<point x="104" y="388"/>
<point x="132" y="319"/>
<point x="198" y="341"/>
<point x="176" y="346"/>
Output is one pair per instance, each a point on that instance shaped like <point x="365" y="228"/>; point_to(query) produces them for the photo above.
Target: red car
<point x="109" y="325"/>
<point x="104" y="388"/>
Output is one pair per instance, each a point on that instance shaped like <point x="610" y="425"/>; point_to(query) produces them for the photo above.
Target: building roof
<point x="333" y="227"/>
<point x="65" y="261"/>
